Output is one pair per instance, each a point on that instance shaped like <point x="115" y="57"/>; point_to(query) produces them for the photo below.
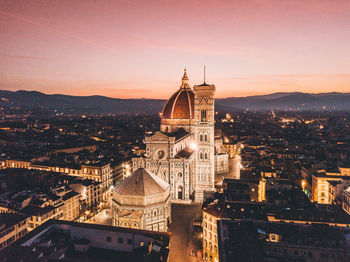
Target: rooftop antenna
<point x="204" y="74"/>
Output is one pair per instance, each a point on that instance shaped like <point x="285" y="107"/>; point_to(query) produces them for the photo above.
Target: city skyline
<point x="126" y="49"/>
<point x="175" y="130"/>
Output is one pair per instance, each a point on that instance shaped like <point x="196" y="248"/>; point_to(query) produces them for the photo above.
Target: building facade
<point x="327" y="187"/>
<point x="210" y="235"/>
<point x="90" y="193"/>
<point x="12" y="227"/>
<point x="346" y="200"/>
<point x="71" y="207"/>
<point x="183" y="152"/>
<point x="100" y="172"/>
<point x="142" y="201"/>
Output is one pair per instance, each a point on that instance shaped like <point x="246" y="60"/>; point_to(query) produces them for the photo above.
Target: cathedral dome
<point x="181" y="104"/>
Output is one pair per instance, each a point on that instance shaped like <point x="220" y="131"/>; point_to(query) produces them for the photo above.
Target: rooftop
<point x="57" y="239"/>
<point x="142" y="182"/>
<point x="178" y="134"/>
<point x="185" y="153"/>
<point x="262" y="241"/>
<point x="9" y="219"/>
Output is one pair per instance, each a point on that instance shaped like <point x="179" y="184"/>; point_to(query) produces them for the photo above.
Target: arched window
<point x="206" y="138"/>
<point x="201" y="138"/>
<point x="179" y="192"/>
<point x="203" y="115"/>
<point x="201" y="155"/>
<point x="206" y="155"/>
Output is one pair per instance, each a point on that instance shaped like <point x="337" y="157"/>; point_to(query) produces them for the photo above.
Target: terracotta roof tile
<point x="142" y="183"/>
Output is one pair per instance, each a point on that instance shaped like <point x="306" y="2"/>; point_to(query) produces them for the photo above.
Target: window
<point x="206" y="155"/>
<point x="201" y="138"/>
<point x="201" y="155"/>
<point x="205" y="138"/>
<point x="129" y="241"/>
<point x="120" y="240"/>
<point x="108" y="239"/>
<point x="203" y="115"/>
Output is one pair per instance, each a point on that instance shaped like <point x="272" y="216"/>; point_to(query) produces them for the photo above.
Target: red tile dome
<point x="181" y="103"/>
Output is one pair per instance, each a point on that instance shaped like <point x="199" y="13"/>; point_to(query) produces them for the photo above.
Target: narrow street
<point x="182" y="232"/>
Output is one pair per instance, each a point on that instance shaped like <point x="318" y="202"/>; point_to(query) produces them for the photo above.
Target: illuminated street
<point x="235" y="167"/>
<point x="182" y="232"/>
<point x="102" y="218"/>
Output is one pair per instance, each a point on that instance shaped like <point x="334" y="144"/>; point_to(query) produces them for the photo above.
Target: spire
<point x="185" y="80"/>
<point x="204" y="75"/>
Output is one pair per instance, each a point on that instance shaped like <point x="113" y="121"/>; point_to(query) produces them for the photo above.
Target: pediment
<point x="159" y="136"/>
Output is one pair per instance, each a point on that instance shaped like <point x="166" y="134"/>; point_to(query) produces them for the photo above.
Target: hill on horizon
<point x="29" y="100"/>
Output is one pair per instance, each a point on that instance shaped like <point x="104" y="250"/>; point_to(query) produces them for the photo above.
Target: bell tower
<point x="204" y="119"/>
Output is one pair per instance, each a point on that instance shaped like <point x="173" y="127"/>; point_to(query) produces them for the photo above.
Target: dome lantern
<point x="185" y="79"/>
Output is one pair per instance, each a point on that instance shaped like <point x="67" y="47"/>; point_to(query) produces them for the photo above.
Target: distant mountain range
<point x="78" y="104"/>
<point x="30" y="100"/>
<point x="288" y="101"/>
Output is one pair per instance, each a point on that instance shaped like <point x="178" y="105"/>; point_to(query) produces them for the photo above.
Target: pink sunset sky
<point x="133" y="49"/>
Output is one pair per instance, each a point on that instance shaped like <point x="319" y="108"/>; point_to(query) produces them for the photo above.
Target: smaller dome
<point x="142" y="182"/>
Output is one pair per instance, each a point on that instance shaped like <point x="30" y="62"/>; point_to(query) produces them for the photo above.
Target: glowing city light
<point x="193" y="146"/>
